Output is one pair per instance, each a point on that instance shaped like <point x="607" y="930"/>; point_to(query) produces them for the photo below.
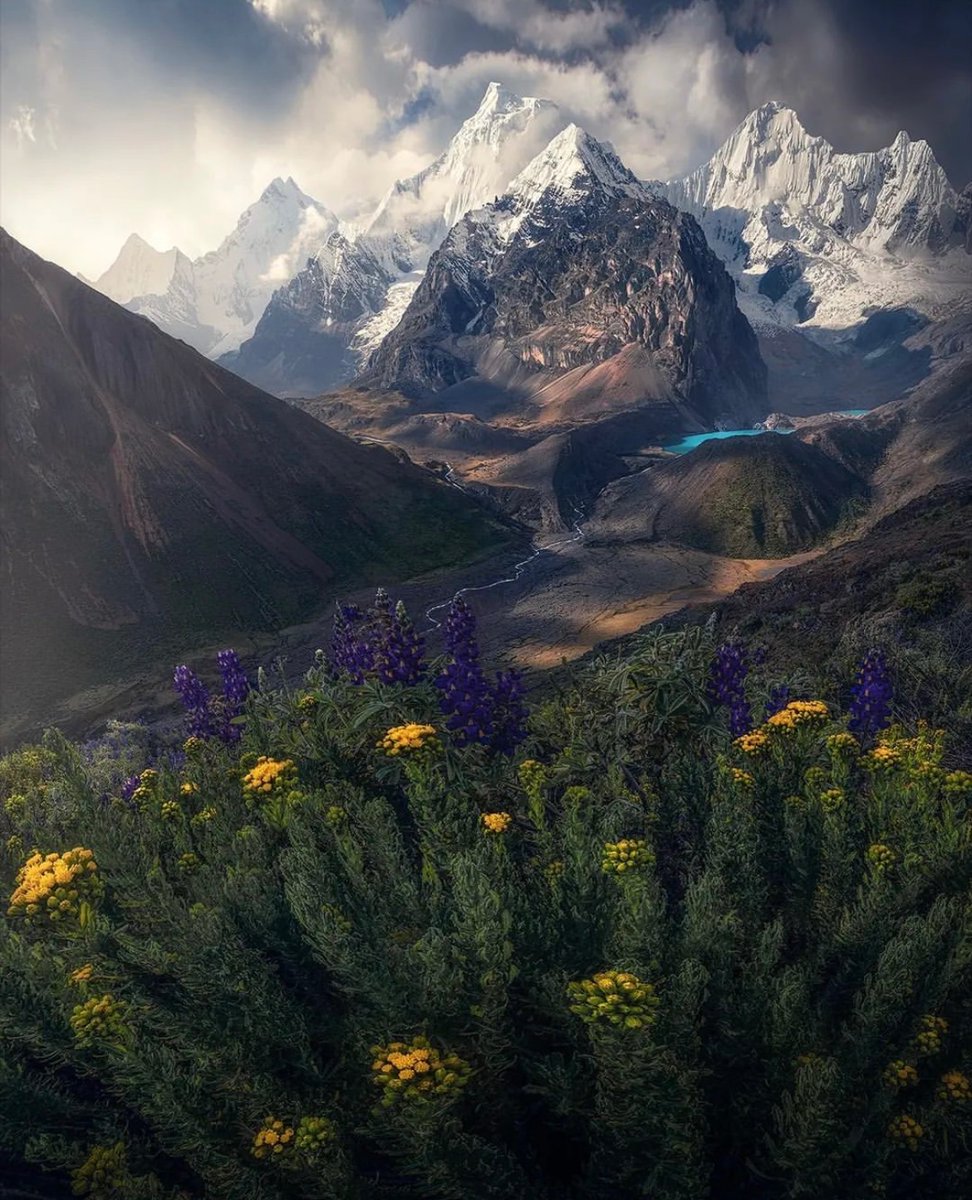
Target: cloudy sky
<point x="168" y="117"/>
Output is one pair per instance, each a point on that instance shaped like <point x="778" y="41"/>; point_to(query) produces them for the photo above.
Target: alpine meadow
<point x="486" y="655"/>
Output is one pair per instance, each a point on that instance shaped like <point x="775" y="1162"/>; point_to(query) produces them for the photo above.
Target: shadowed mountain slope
<point x="151" y="499"/>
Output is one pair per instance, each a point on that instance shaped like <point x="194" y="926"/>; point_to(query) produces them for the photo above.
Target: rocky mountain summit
<point x="309" y="339"/>
<point x="572" y="296"/>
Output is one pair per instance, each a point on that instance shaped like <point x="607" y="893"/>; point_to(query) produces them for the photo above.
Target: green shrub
<point x="310" y="968"/>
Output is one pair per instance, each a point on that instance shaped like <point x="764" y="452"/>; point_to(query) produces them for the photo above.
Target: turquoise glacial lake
<point x="717" y="435"/>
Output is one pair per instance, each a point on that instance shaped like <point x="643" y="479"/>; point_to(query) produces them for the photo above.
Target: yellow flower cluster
<point x="204" y="816"/>
<point x="881" y="858"/>
<point x="193" y="746"/>
<point x="629" y="854"/>
<point x="882" y="758"/>
<point x="102" y="1174"/>
<point x="757" y="742"/>
<point x="416" y="1071"/>
<point x="832" y="799"/>
<point x="406" y="738"/>
<point x="188" y="788"/>
<point x="742" y="778"/>
<point x="958" y="783"/>
<point x="170" y="810"/>
<point x="906" y="1130"/>
<point x="554" y="870"/>
<point x="496" y="822"/>
<point x="100" y="1019"/>
<point x="272" y="1139"/>
<point x="931" y="1030"/>
<point x="269" y="775"/>
<point x="188" y="862"/>
<point x="307" y="702"/>
<point x="53" y="887"/>
<point x="954" y="1087"/>
<point x="616" y="997"/>
<point x="313" y="1134"/>
<point x="843" y="744"/>
<point x="797" y="713"/>
<point x="899" y="1074"/>
<point x="81" y="975"/>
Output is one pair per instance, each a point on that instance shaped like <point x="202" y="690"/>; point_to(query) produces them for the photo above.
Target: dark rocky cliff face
<point x="578" y="287"/>
<point x="152" y="499"/>
<point x="302" y="344"/>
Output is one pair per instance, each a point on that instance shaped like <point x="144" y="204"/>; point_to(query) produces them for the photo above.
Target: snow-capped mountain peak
<point x="139" y="270"/>
<point x="490" y="147"/>
<point x="814" y="235"/>
<point x="572" y="161"/>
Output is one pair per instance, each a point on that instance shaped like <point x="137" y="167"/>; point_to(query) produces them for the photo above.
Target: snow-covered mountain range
<point x="817" y="241"/>
<point x="215" y="301"/>
<point x="309" y="339"/>
<point x="821" y="239"/>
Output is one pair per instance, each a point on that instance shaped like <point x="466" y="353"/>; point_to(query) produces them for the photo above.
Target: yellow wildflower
<point x="269" y="775"/>
<point x="756" y="742"/>
<point x="798" y="713"/>
<point x="954" y="1087"/>
<point x="843" y="744"/>
<point x="416" y="1072"/>
<point x="273" y="1138"/>
<point x="496" y="822"/>
<point x="882" y="758"/>
<point x="881" y="858"/>
<point x="81" y="975"/>
<point x="742" y="778"/>
<point x="931" y="1030"/>
<point x="188" y="788"/>
<point x="616" y="997"/>
<point x="958" y="783"/>
<point x="406" y="738"/>
<point x="899" y="1074"/>
<point x="102" y="1019"/>
<point x="906" y="1130"/>
<point x="630" y="854"/>
<point x="832" y="799"/>
<point x="54" y="887"/>
<point x="313" y="1134"/>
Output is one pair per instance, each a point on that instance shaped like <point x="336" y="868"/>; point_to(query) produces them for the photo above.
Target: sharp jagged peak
<point x="498" y="98"/>
<point x="574" y="156"/>
<point x="284" y="189"/>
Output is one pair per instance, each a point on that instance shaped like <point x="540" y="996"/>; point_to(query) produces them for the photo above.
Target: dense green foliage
<point x="666" y="965"/>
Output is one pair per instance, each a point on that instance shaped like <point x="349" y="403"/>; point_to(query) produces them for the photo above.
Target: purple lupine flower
<point x="871" y="696"/>
<point x="779" y="698"/>
<point x="350" y="654"/>
<point x="236" y="688"/>
<point x="128" y="787"/>
<point x="727" y="685"/>
<point x="400" y="658"/>
<point x="466" y="696"/>
<point x="195" y="698"/>
<point x="509" y="712"/>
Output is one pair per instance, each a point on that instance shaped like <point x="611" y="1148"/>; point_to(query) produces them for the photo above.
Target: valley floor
<point x="567" y="600"/>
